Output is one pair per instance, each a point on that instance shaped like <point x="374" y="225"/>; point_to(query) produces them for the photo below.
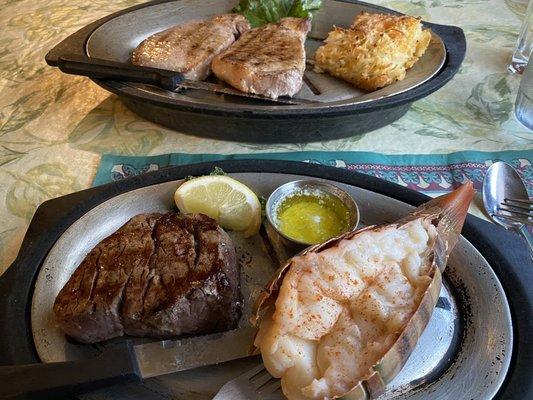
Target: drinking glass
<point x="524" y="99"/>
<point x="524" y="45"/>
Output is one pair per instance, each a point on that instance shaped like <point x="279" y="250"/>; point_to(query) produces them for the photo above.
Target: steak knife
<point x="170" y="80"/>
<point x="123" y="362"/>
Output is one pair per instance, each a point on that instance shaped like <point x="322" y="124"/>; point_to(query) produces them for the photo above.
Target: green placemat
<point x="426" y="173"/>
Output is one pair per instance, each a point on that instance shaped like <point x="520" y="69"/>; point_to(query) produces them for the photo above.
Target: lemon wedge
<point x="231" y="203"/>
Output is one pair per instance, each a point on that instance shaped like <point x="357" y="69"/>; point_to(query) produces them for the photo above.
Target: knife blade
<point x="218" y="88"/>
<point x="167" y="356"/>
<point x="122" y="363"/>
<point x="92" y="67"/>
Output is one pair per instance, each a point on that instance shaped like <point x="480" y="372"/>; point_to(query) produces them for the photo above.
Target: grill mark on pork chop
<point x="244" y="43"/>
<point x="189" y="48"/>
<point x="256" y="53"/>
<point x="203" y="46"/>
<point x="269" y="60"/>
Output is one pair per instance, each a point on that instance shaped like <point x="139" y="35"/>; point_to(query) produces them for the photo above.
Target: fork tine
<point x="270" y="387"/>
<point x="253" y="372"/>
<point x="255" y="384"/>
<point x="260" y="380"/>
<point x="523" y="201"/>
<point x="511" y="208"/>
<point x="510" y="218"/>
<point x="520" y="206"/>
<point x="524" y="213"/>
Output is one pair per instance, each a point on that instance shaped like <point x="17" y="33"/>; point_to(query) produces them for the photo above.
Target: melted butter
<point x="312" y="218"/>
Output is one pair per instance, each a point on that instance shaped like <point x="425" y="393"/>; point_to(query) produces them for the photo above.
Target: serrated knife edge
<point x="216" y="88"/>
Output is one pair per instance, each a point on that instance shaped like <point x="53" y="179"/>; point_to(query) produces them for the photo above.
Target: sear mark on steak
<point x="269" y="60"/>
<point x="190" y="48"/>
<point x="159" y="275"/>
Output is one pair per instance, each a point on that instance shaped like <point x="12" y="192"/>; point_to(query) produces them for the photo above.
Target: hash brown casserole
<point x="375" y="51"/>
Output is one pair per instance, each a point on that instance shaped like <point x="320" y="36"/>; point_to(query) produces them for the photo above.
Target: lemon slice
<point x="232" y="204"/>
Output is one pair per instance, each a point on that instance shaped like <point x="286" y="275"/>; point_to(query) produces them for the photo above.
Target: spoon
<point x="503" y="182"/>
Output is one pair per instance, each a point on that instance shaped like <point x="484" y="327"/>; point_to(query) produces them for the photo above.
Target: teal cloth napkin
<point x="425" y="173"/>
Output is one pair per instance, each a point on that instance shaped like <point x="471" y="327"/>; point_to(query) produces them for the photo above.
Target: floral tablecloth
<point x="54" y="127"/>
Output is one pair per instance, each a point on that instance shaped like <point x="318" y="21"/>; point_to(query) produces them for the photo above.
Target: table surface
<point x="55" y="127"/>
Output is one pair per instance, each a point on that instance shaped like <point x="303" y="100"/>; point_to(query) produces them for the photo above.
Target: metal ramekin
<point x="277" y="196"/>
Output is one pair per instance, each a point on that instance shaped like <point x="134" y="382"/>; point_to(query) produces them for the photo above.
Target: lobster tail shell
<point x="447" y="214"/>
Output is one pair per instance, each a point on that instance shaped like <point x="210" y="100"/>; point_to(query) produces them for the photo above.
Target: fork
<point x="256" y="384"/>
<point x="516" y="210"/>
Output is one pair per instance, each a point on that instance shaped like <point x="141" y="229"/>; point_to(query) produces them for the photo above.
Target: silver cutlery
<point x="256" y="384"/>
<point x="506" y="200"/>
<point x="515" y="210"/>
<point x="123" y="362"/>
<point x="168" y="80"/>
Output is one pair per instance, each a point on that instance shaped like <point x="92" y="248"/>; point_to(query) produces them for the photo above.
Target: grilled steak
<point x="189" y="48"/>
<point x="269" y="60"/>
<point x="159" y="275"/>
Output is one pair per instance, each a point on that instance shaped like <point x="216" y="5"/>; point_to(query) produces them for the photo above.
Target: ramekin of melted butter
<point x="311" y="212"/>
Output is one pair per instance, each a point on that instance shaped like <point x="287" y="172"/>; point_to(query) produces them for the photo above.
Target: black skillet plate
<point x="337" y="113"/>
<point x="504" y="251"/>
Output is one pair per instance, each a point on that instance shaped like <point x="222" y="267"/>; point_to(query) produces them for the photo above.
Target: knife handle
<point x="105" y="69"/>
<point x="51" y="380"/>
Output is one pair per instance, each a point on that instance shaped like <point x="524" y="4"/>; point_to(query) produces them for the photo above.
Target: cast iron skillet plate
<point x="116" y="39"/>
<point x="457" y="330"/>
<point x="340" y="109"/>
<point x="465" y="352"/>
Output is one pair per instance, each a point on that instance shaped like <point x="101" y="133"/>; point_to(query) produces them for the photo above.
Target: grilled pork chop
<point x="159" y="275"/>
<point x="269" y="60"/>
<point x="190" y="48"/>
